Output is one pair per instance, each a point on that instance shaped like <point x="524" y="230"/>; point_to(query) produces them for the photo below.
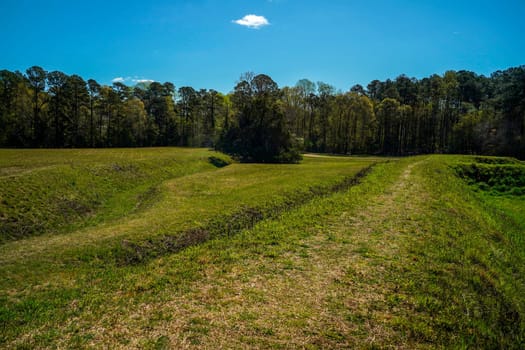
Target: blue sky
<point x="198" y="43"/>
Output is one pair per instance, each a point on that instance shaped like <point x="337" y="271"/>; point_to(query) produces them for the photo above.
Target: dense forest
<point x="457" y="112"/>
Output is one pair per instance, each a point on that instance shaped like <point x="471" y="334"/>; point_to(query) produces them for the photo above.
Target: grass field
<point x="183" y="249"/>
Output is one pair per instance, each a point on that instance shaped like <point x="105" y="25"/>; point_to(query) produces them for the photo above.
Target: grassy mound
<point x="58" y="190"/>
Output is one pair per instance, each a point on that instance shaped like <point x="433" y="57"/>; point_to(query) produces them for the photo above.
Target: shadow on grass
<point x="218" y="162"/>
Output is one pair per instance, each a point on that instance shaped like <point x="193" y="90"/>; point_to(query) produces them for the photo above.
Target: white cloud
<point x="252" y="21"/>
<point x="134" y="80"/>
<point x="143" y="81"/>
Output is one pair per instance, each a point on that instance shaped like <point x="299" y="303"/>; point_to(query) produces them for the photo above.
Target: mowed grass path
<point x="409" y="258"/>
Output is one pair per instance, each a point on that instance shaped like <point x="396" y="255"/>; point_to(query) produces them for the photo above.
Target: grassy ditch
<point x="500" y="185"/>
<point x="228" y="225"/>
<point x="499" y="175"/>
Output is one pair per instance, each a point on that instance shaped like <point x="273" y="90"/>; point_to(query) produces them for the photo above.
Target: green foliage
<point x="500" y="175"/>
<point x="457" y="112"/>
<point x="259" y="133"/>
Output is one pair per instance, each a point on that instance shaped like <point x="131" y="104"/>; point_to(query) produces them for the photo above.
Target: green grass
<point x="500" y="185"/>
<point x="465" y="285"/>
<point x="190" y="202"/>
<point x="52" y="191"/>
<point x="413" y="256"/>
<point x="44" y="273"/>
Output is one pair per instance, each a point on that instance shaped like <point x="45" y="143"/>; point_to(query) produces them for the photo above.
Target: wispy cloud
<point x="252" y="21"/>
<point x="134" y="80"/>
<point x="142" y="80"/>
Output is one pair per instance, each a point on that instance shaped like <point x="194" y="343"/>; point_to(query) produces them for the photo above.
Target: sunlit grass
<point x="411" y="257"/>
<point x="51" y="191"/>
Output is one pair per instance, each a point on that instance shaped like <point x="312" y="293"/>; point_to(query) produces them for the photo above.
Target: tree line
<point x="52" y="109"/>
<point x="457" y="112"/>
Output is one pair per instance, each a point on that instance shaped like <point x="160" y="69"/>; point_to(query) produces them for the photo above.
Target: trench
<point x="227" y="225"/>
